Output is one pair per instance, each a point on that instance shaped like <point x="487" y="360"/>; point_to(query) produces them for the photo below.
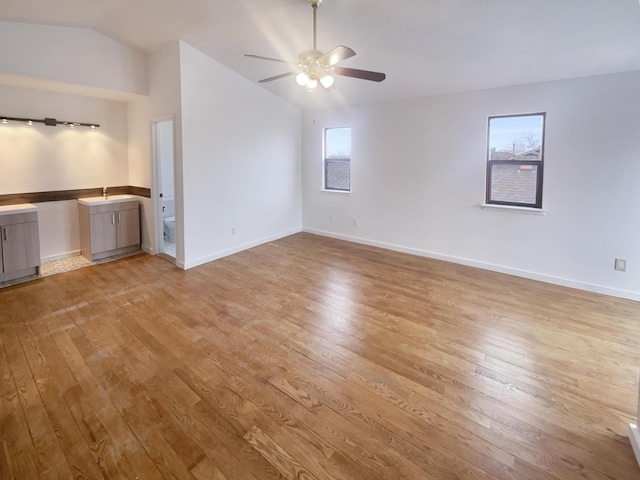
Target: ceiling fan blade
<point x="362" y="74"/>
<point x="336" y="55"/>
<point x="277" y="77"/>
<point x="268" y="58"/>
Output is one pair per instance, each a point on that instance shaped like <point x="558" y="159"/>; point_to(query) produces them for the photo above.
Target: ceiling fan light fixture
<point x="312" y="85"/>
<point x="327" y="81"/>
<point x="302" y="78"/>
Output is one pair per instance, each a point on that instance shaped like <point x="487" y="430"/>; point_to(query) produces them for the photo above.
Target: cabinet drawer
<point x="113" y="207"/>
<point x="14" y="218"/>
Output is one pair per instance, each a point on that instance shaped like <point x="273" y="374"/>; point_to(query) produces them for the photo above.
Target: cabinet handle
<point x="4" y="234"/>
<point x="119" y="217"/>
<point x="113" y="218"/>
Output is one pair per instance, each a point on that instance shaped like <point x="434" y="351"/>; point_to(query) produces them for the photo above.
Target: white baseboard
<point x="237" y="249"/>
<point x="60" y="256"/>
<point x="485" y="266"/>
<point x="634" y="436"/>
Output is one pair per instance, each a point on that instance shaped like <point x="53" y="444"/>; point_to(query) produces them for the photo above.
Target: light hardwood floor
<point x="312" y="358"/>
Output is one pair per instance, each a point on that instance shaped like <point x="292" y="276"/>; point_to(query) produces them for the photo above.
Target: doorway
<point x="163" y="161"/>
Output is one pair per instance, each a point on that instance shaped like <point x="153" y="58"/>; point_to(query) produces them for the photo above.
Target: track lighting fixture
<point x="51" y="122"/>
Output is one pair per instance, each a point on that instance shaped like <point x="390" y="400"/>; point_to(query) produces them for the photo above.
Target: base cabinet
<point x="108" y="229"/>
<point x="19" y="243"/>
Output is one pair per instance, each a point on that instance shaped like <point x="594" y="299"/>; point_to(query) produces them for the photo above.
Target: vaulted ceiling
<point x="424" y="46"/>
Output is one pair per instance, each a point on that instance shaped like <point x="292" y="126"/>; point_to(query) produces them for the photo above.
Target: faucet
<point x="105" y="194"/>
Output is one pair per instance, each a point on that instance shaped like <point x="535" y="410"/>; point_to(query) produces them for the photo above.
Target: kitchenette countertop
<point x="21" y="208"/>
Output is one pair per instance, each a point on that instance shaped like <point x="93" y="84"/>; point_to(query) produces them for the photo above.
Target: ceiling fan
<point x="315" y="67"/>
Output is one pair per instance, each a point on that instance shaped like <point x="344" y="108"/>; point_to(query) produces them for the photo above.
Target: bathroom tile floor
<point x="169" y="249"/>
<point x="73" y="263"/>
<point x="64" y="265"/>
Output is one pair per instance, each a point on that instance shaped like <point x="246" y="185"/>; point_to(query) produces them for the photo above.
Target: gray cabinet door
<point x="20" y="246"/>
<point x="128" y="227"/>
<point x="103" y="232"/>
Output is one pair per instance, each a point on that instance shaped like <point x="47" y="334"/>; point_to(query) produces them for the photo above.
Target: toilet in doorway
<point x="169" y="220"/>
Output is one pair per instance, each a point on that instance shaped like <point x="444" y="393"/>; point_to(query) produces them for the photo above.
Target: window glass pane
<point x="337" y="152"/>
<point x="514" y="160"/>
<point x="516" y="138"/>
<point x="338" y="143"/>
<point x="514" y="183"/>
<point x="337" y="174"/>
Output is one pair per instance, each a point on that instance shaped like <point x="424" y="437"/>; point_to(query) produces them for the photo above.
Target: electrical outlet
<point x="356" y="222"/>
<point x="620" y="265"/>
<point x="332" y="218"/>
<point x="233" y="230"/>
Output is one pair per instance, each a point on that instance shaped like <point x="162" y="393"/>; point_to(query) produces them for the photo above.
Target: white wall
<point x="39" y="158"/>
<point x="240" y="161"/>
<point x="163" y="102"/>
<point x="139" y="142"/>
<point x="139" y="154"/>
<point x="71" y="55"/>
<point x="59" y="230"/>
<point x="418" y="178"/>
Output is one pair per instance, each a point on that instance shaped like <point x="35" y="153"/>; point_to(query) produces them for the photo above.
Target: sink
<point x="105" y="201"/>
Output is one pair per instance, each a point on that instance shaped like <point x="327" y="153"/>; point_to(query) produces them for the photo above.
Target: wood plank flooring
<point x="312" y="358"/>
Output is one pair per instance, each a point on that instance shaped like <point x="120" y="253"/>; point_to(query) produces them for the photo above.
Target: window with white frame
<point x="337" y="159"/>
<point x="515" y="160"/>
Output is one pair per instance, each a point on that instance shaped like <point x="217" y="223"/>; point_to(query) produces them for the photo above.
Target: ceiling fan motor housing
<point x="308" y="63"/>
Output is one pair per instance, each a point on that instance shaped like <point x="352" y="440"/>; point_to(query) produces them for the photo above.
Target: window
<point x="514" y="160"/>
<point x="337" y="159"/>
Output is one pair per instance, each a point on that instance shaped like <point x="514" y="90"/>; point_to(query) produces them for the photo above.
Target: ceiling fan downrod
<point x="315" y="4"/>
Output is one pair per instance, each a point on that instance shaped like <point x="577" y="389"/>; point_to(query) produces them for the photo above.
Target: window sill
<point x="511" y="209"/>
<point x="339" y="192"/>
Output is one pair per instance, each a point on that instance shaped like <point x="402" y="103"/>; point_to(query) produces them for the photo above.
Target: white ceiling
<point x="424" y="46"/>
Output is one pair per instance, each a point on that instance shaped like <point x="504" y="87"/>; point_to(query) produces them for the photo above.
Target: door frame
<point x="156" y="172"/>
